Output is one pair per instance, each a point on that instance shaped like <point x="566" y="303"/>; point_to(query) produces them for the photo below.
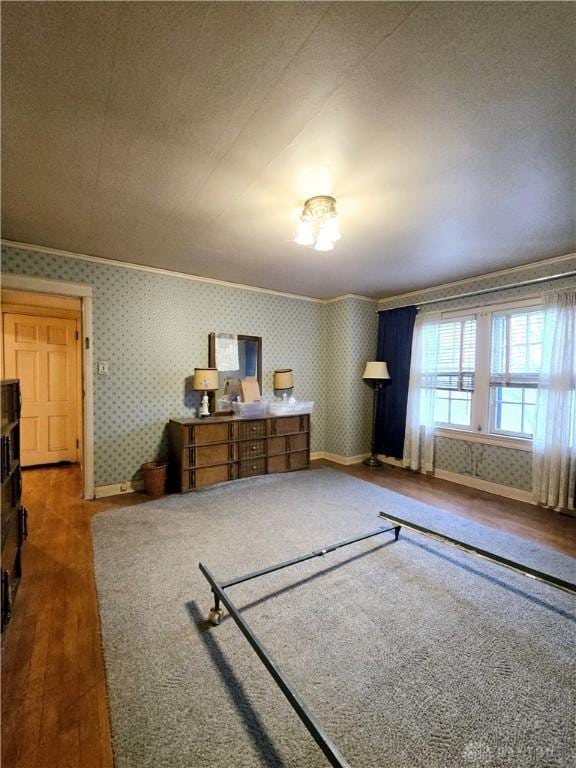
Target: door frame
<point x="84" y="293"/>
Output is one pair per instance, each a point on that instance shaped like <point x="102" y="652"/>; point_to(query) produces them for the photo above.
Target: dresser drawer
<point x="278" y="463"/>
<point x="252" y="429"/>
<point x="298" y="460"/>
<point x="277" y="445"/>
<point x="285" y="425"/>
<point x="287" y="443"/>
<point x="250" y="467"/>
<point x="286" y="462"/>
<point x="298" y="442"/>
<point x="219" y="453"/>
<point x="204" y="434"/>
<point x="252" y="448"/>
<point x="199" y="478"/>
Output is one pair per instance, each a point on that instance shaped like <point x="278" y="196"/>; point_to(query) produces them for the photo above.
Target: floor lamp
<point x="375" y="374"/>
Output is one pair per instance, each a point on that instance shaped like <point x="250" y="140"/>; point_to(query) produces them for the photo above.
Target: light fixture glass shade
<point x="283" y="378"/>
<point x="331" y="229"/>
<point x="205" y="379"/>
<point x="305" y="234"/>
<point x="323" y="242"/>
<point x="319" y="223"/>
<point x="376" y="370"/>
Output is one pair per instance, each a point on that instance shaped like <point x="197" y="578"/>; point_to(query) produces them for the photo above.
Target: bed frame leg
<point x="397" y="532"/>
<point x="216" y="613"/>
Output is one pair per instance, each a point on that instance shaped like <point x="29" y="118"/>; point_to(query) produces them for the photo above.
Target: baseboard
<point x="473" y="482"/>
<point x="338" y="459"/>
<point x="101" y="491"/>
<point x="485" y="485"/>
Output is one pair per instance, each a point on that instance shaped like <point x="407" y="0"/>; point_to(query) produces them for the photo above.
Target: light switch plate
<point x="103" y="368"/>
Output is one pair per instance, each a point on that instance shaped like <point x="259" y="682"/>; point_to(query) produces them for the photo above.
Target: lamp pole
<point x="375" y="374"/>
<point x="372" y="460"/>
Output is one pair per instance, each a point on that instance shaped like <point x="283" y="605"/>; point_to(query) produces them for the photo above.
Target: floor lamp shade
<point x="376" y="371"/>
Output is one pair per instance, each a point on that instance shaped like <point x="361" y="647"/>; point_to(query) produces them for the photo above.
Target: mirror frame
<point x="212" y="364"/>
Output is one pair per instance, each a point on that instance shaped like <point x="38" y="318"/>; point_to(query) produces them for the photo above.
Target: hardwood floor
<point x="54" y="703"/>
<point x="525" y="520"/>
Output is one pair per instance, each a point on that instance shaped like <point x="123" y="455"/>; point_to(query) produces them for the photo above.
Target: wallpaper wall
<point x="153" y="329"/>
<point x="351" y="332"/>
<point x="502" y="465"/>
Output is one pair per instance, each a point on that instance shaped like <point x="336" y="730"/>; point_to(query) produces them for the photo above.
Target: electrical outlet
<point x="124" y="486"/>
<point x="103" y="368"/>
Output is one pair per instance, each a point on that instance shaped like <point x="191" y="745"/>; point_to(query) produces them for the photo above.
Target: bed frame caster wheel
<point x="215" y="616"/>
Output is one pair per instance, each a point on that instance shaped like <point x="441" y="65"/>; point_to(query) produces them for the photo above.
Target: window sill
<point x="504" y="441"/>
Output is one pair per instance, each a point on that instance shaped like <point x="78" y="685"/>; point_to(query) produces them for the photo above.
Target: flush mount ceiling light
<point x="319" y="223"/>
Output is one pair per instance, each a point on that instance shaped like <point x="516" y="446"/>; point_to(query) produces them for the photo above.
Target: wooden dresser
<point x="217" y="449"/>
<point x="13" y="515"/>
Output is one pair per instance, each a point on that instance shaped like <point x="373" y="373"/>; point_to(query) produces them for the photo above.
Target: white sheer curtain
<point x="419" y="440"/>
<point x="554" y="441"/>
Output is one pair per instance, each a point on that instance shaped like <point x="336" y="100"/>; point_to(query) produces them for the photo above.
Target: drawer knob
<point x="253" y="466"/>
<point x="253" y="427"/>
<point x="253" y="448"/>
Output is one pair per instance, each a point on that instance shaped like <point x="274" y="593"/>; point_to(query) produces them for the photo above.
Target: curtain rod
<point x="521" y="284"/>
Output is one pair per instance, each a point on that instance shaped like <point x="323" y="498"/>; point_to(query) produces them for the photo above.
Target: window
<point x="487" y="371"/>
<point x="455" y="372"/>
<point x="516" y="359"/>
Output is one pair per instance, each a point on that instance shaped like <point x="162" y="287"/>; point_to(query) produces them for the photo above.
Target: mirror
<point x="235" y="357"/>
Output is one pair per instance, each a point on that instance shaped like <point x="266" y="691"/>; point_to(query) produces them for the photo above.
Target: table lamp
<point x="375" y="374"/>
<point x="205" y="380"/>
<point x="283" y="382"/>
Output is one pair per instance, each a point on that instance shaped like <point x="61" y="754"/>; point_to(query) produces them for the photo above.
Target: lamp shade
<point x="205" y="379"/>
<point x="376" y="370"/>
<point x="283" y="378"/>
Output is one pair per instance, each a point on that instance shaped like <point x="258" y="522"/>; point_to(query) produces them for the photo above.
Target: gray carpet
<point x="410" y="654"/>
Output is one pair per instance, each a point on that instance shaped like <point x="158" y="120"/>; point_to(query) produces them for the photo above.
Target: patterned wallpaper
<point x="351" y="333"/>
<point x="483" y="283"/>
<point x="153" y="329"/>
<point x="505" y="466"/>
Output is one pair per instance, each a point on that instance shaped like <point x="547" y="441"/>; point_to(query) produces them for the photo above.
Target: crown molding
<point x="483" y="276"/>
<point x="241" y="286"/>
<point x="345" y="296"/>
<point x="157" y="270"/>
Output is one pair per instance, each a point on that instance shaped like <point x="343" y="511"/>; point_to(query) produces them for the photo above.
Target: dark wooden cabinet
<point x="218" y="449"/>
<point x="13" y="516"/>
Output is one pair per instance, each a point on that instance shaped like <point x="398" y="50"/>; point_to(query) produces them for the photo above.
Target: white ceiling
<point x="187" y="135"/>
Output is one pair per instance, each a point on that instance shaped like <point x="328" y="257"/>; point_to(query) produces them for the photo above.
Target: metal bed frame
<point x="219" y="588"/>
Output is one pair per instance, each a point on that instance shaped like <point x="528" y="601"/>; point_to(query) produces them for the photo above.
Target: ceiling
<point x="187" y="136"/>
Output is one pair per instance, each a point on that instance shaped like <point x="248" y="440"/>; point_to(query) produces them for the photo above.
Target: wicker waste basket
<point x="154" y="473"/>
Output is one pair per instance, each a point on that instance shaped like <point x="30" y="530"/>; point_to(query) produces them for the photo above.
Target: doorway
<point x="46" y="345"/>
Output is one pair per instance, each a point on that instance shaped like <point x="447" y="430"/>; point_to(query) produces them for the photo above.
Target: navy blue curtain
<point x="395" y="330"/>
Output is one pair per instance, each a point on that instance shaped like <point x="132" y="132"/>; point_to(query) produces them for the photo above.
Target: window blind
<point x="516" y="349"/>
<point x="456" y="355"/>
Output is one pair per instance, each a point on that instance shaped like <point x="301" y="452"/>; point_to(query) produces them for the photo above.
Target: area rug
<point x="410" y="654"/>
